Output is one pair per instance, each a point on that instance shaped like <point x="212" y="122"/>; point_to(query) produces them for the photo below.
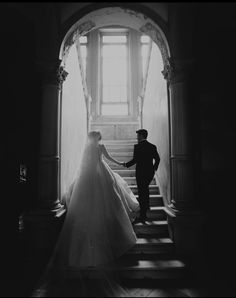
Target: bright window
<point x="83" y="51"/>
<point x="114" y="73"/>
<point x="145" y="44"/>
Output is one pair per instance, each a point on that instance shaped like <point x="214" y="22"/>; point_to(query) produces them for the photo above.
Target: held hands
<point x="123" y="164"/>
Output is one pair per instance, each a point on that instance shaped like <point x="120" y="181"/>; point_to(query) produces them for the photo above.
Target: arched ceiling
<point x="67" y="9"/>
<point x="115" y="15"/>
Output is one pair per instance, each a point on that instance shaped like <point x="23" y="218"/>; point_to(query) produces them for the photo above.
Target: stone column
<point x="178" y="76"/>
<point x="184" y="218"/>
<point x="43" y="224"/>
<point x="52" y="75"/>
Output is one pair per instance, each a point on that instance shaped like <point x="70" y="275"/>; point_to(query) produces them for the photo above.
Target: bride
<point x="100" y="210"/>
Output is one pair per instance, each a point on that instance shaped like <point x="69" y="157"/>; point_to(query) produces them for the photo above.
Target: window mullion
<point x="113" y="98"/>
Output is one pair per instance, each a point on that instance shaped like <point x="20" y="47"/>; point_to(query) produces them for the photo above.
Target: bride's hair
<point x="94" y="134"/>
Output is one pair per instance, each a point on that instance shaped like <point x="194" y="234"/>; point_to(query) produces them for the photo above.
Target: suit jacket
<point x="144" y="154"/>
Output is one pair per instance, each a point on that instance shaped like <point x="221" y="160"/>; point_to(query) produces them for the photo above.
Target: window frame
<point x="86" y="45"/>
<point x="114" y="32"/>
<point x="148" y="44"/>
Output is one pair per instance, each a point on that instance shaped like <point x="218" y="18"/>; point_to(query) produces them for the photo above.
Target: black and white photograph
<point x="118" y="149"/>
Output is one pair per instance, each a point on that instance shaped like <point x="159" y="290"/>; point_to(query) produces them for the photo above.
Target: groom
<point x="144" y="153"/>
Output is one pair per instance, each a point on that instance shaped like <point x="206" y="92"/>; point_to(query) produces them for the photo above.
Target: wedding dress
<point x="98" y="224"/>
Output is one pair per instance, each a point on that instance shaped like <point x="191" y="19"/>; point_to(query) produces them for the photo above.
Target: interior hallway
<point x="197" y="175"/>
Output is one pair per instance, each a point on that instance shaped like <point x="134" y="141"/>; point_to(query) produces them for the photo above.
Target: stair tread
<point x="124" y="170"/>
<point x="154" y="241"/>
<point x="134" y="263"/>
<point x="123" y="154"/>
<point x="151" y="195"/>
<point x="128" y="177"/>
<point x="157" y="208"/>
<point x="152" y="186"/>
<point x="120" y="144"/>
<point x="153" y="223"/>
<point x="150" y="264"/>
<point x="120" y="140"/>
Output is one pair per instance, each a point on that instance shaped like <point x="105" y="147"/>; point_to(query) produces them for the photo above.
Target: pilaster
<point x="184" y="217"/>
<point x="43" y="224"/>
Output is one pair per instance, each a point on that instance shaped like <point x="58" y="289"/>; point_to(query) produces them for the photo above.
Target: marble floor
<point x="134" y="288"/>
<point x="141" y="288"/>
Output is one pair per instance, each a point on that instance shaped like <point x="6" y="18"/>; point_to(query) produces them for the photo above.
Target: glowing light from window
<point x="114" y="39"/>
<point x="114" y="55"/>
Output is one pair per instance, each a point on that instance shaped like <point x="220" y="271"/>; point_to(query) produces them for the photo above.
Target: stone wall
<point x="155" y="118"/>
<point x="215" y="79"/>
<point x="73" y="121"/>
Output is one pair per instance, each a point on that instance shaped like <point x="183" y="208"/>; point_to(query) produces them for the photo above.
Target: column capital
<point x="52" y="72"/>
<point x="177" y="70"/>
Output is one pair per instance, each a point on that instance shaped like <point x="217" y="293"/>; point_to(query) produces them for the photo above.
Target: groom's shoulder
<point x="151" y="145"/>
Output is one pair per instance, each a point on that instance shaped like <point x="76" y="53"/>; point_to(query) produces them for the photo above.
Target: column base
<point x="41" y="230"/>
<point x="52" y="210"/>
<point x="185" y="228"/>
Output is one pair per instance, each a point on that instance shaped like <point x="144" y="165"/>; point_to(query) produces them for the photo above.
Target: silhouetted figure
<point x="144" y="154"/>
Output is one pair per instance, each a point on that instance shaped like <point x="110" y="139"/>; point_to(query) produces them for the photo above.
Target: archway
<point x="117" y="16"/>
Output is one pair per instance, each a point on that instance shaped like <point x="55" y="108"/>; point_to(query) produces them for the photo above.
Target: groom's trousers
<point x="143" y="182"/>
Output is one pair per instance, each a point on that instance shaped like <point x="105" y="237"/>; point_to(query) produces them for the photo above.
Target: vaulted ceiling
<point x="67" y="9"/>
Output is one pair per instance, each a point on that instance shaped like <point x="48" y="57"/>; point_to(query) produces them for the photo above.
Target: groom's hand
<point x="124" y="164"/>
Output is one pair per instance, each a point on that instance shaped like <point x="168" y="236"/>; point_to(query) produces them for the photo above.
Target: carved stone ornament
<point x="154" y="33"/>
<point x="62" y="74"/>
<point x="78" y="31"/>
<point x="177" y="70"/>
<point x="52" y="72"/>
<point x="168" y="71"/>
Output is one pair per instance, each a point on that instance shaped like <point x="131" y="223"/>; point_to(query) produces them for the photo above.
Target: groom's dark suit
<point x="144" y="153"/>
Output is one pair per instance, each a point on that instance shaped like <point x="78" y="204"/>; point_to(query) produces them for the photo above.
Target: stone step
<point x="125" y="158"/>
<point x="153" y="189"/>
<point x="155" y="200"/>
<point x="126" y="173"/>
<point x="152" y="246"/>
<point x="132" y="181"/>
<point x="151" y="266"/>
<point x="157" y="213"/>
<point x="123" y="154"/>
<point x="115" y="167"/>
<point x="153" y="269"/>
<point x="121" y="146"/>
<point x="119" y="142"/>
<point x="136" y="268"/>
<point x="116" y="149"/>
<point x="151" y="228"/>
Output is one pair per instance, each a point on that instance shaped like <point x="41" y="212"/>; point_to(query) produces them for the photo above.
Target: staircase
<point x="153" y="255"/>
